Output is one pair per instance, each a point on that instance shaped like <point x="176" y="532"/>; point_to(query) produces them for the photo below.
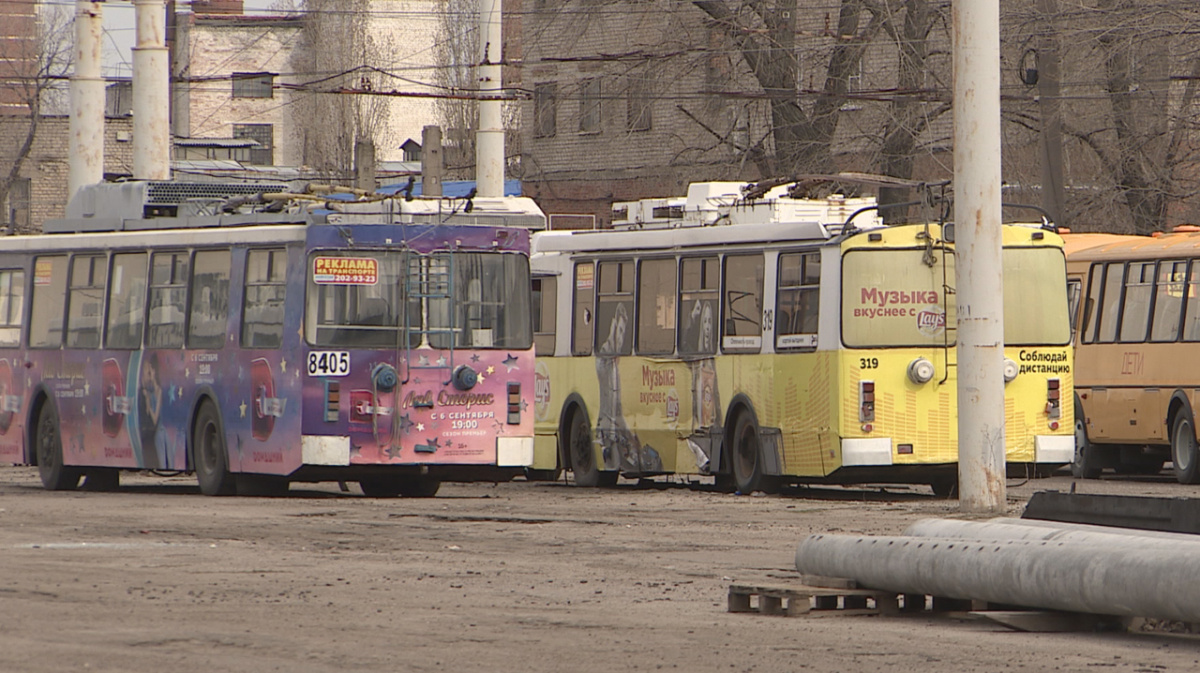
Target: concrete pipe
<point x="1007" y="529"/>
<point x="1120" y="578"/>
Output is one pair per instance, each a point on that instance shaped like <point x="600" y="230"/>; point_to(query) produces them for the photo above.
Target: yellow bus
<point x="1137" y="317"/>
<point x="781" y="340"/>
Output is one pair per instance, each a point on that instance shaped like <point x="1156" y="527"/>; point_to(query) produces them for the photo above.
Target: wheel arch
<point x="574" y="404"/>
<point x="738" y="405"/>
<point x="206" y="393"/>
<point x="1179" y="403"/>
<point x="40" y="397"/>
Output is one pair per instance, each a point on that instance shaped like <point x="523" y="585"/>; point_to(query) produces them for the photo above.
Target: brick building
<point x="18" y="54"/>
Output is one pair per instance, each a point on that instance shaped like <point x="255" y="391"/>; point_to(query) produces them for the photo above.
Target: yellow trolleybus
<point x="1137" y="324"/>
<point x="781" y="340"/>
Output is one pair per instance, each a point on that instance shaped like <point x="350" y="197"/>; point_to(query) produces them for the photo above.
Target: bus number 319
<point x="868" y="363"/>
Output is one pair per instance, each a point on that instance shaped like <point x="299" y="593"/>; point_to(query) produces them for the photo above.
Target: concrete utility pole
<point x="977" y="217"/>
<point x="86" y="146"/>
<point x="431" y="161"/>
<point x="489" y="139"/>
<point x="151" y="93"/>
<point x="1050" y="105"/>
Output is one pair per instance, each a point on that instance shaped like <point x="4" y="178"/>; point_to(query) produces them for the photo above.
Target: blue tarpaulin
<point x="453" y="188"/>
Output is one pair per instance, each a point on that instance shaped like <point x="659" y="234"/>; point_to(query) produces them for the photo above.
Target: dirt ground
<point x="521" y="576"/>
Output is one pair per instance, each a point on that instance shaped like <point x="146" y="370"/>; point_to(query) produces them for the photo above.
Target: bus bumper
<point x="514" y="451"/>
<point x="1054" y="449"/>
<point x="859" y="452"/>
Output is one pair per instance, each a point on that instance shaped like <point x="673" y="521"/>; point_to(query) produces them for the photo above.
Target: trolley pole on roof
<point x="977" y="217"/>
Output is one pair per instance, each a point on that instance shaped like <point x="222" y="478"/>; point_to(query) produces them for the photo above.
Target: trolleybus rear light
<point x="514" y="403"/>
<point x="866" y="401"/>
<point x="1054" y="398"/>
<point x="333" y="398"/>
<point x="904" y="449"/>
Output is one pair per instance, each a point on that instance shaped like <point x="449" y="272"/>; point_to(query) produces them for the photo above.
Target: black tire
<point x="1183" y="448"/>
<point x="747" y="454"/>
<point x="209" y="455"/>
<point x="582" y="455"/>
<point x="1086" y="464"/>
<point x="48" y="444"/>
<point x="419" y="487"/>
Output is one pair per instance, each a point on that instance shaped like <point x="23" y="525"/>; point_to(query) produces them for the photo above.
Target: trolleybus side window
<point x="656" y="307"/>
<point x="797" y="312"/>
<point x="1091" y="307"/>
<point x="12" y="306"/>
<point x="1168" y="300"/>
<point x="1037" y="270"/>
<point x="614" y="308"/>
<point x="49" y="297"/>
<point x="742" y="308"/>
<point x="126" y="301"/>
<point x="545" y="304"/>
<point x="168" y="299"/>
<point x="1191" y="310"/>
<point x="210" y="299"/>
<point x="584" y="299"/>
<point x="1110" y="302"/>
<point x="86" y="301"/>
<point x="262" y="308"/>
<point x="699" y="290"/>
<point x="1135" y="307"/>
<point x="1073" y="293"/>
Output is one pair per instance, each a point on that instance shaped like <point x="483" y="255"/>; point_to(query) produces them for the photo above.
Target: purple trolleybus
<point x="256" y="337"/>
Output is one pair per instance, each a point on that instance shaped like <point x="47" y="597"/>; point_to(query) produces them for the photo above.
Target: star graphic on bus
<point x="422" y="361"/>
<point x="475" y="357"/>
<point x="405" y="423"/>
<point x="393" y="451"/>
<point x="420" y="427"/>
<point x="441" y="362"/>
<point x="432" y="443"/>
<point x="283" y="365"/>
<point x="87" y="388"/>
<point x="242" y="408"/>
<point x="510" y="362"/>
<point x="491" y="369"/>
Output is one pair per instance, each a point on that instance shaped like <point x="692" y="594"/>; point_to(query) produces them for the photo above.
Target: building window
<point x="545" y="109"/>
<point x="264" y="135"/>
<point x="589" y="106"/>
<point x="638" y="105"/>
<point x="253" y="85"/>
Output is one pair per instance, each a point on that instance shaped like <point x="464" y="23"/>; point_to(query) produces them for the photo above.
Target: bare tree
<point x="35" y="81"/>
<point x="335" y="54"/>
<point x="457" y="53"/>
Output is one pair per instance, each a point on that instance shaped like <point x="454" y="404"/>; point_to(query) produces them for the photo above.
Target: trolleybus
<point x="773" y="340"/>
<point x="1137" y="324"/>
<point x="257" y="338"/>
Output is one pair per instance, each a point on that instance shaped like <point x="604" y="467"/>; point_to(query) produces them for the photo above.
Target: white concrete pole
<point x="489" y="139"/>
<point x="86" y="146"/>
<point x="151" y="93"/>
<point x="977" y="217"/>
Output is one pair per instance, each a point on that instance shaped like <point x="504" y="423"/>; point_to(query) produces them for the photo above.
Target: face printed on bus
<point x="706" y="329"/>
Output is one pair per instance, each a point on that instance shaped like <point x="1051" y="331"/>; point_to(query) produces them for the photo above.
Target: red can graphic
<point x="115" y="404"/>
<point x="266" y="405"/>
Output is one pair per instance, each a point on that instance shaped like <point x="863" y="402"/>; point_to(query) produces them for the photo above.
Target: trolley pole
<point x="977" y="217"/>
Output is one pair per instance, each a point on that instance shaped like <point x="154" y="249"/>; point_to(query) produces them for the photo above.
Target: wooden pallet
<point x="827" y="596"/>
<point x="799" y="600"/>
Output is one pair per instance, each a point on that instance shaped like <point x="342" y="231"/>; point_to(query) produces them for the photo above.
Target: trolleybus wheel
<point x="1183" y="449"/>
<point x="1086" y="464"/>
<point x="419" y="487"/>
<point x="208" y="453"/>
<point x="747" y="458"/>
<point x="583" y="455"/>
<point x="55" y="475"/>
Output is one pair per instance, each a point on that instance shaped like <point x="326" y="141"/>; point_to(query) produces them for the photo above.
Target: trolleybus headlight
<point x="465" y="378"/>
<point x="1010" y="370"/>
<point x="920" y="371"/>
